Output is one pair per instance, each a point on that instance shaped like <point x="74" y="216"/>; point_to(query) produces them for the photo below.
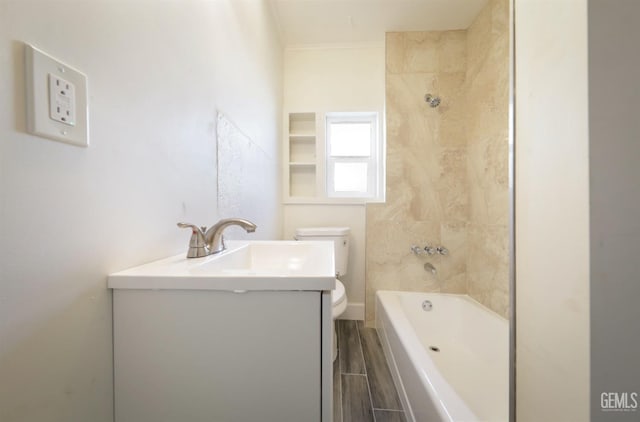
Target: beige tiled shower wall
<point x="487" y="133"/>
<point x="447" y="167"/>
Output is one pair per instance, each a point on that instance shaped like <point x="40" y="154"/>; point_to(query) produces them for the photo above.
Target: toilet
<point x="340" y="238"/>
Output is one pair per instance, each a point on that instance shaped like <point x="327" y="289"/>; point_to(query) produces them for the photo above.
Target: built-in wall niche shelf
<point x="302" y="181"/>
<point x="302" y="124"/>
<point x="302" y="169"/>
<point x="302" y="150"/>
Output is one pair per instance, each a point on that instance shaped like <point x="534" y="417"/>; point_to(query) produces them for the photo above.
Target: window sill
<point x="330" y="201"/>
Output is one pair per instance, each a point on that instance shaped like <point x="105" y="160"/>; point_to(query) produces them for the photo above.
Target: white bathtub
<point x="468" y="378"/>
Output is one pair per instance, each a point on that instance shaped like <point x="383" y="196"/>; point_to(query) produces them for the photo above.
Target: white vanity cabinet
<point x="205" y="354"/>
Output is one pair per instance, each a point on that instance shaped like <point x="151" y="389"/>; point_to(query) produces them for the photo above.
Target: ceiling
<point x="305" y="22"/>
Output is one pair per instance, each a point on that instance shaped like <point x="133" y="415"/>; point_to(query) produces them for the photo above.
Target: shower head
<point x="432" y="100"/>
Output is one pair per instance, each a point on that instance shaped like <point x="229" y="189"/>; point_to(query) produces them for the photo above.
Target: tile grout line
<point x="337" y="327"/>
<point x="373" y="412"/>
<point x="340" y="380"/>
<point x="364" y="364"/>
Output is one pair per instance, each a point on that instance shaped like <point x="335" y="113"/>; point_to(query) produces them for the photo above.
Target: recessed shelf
<point x="302" y="123"/>
<point x="302" y="181"/>
<point x="301" y="167"/>
<point x="300" y="151"/>
<point x="302" y="136"/>
<point x="302" y="164"/>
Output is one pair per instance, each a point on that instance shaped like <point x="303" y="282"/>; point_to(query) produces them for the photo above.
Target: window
<point x="354" y="165"/>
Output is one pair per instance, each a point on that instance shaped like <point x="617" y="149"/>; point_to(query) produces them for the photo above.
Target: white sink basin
<point x="245" y="265"/>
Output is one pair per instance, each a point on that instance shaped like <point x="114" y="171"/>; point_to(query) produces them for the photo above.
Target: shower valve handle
<point x="442" y="250"/>
<point x="430" y="250"/>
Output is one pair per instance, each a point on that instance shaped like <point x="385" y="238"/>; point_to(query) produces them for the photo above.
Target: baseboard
<point x="354" y="311"/>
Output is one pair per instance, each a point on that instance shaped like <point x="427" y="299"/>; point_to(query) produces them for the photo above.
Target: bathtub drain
<point x="434" y="348"/>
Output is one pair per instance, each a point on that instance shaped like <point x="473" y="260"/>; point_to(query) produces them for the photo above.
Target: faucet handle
<point x="442" y="250"/>
<point x="429" y="250"/>
<point x="197" y="242"/>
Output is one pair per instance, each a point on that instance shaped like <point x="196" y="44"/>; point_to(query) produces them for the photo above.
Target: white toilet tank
<point x="340" y="238"/>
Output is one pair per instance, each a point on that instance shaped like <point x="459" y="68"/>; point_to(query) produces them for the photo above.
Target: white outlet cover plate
<point x="39" y="66"/>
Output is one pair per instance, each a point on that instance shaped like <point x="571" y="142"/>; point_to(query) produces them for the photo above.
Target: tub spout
<point x="429" y="267"/>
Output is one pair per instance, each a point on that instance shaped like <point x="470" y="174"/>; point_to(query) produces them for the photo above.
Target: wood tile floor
<point x="363" y="390"/>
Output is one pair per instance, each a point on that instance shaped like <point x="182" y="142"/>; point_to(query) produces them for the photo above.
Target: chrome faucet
<point x="205" y="242"/>
<point x="213" y="237"/>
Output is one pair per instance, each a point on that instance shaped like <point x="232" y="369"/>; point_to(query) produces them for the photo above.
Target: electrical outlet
<point x="62" y="100"/>
<point x="56" y="99"/>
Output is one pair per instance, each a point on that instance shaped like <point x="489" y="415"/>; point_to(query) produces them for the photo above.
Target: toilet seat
<point x="338" y="299"/>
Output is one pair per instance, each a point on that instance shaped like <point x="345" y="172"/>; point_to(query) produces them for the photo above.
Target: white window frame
<point x="373" y="161"/>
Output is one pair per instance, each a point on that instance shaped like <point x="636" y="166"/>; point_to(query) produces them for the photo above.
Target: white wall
<point x="552" y="211"/>
<point x="157" y="73"/>
<point x="614" y="130"/>
<point x="335" y="78"/>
